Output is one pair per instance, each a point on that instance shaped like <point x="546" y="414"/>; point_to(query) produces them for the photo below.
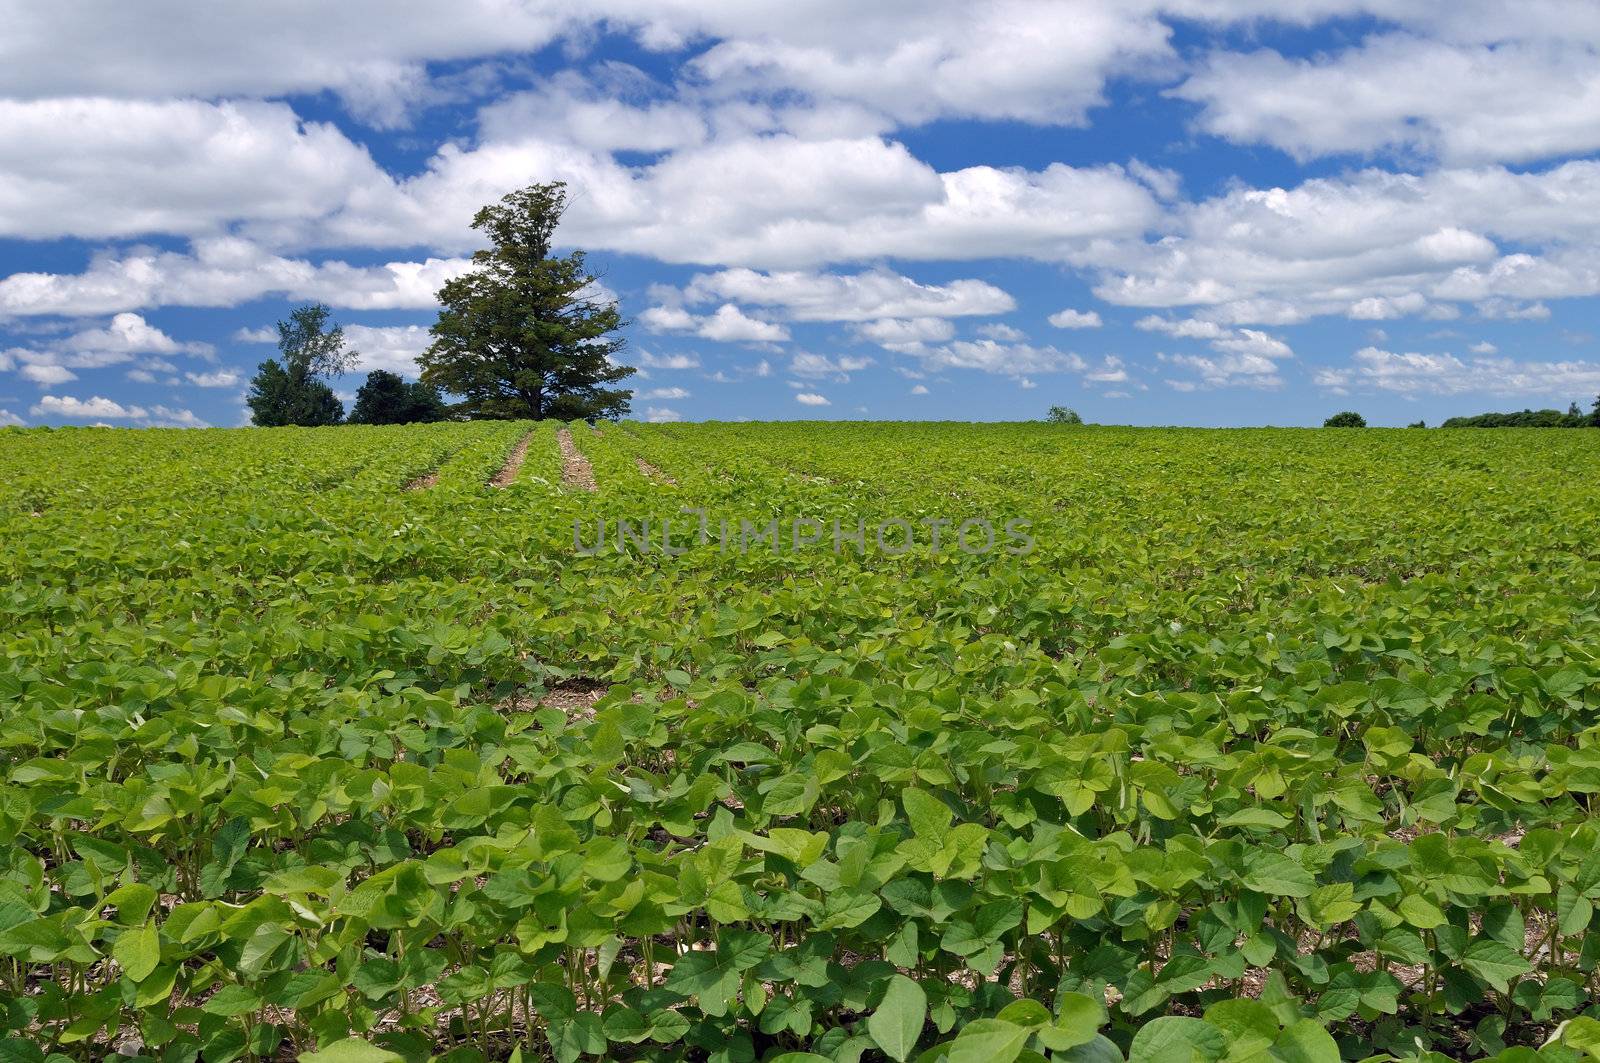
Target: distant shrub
<point x="1347" y="419"/>
<point x="1062" y="415"/>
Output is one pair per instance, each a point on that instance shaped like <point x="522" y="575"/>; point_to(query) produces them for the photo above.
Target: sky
<point x="1201" y="212"/>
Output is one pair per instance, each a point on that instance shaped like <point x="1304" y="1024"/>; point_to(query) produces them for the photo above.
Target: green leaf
<point x="1305" y="1042"/>
<point x="352" y="1050"/>
<point x="988" y="1041"/>
<point x="138" y="951"/>
<point x="1494" y="963"/>
<point x="930" y="817"/>
<point x="1277" y="875"/>
<point x="1177" y="1039"/>
<point x="897" y="1023"/>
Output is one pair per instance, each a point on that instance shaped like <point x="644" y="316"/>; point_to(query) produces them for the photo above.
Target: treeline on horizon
<point x="1573" y="418"/>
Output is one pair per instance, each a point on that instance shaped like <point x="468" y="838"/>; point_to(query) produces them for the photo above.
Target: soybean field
<point x="800" y="742"/>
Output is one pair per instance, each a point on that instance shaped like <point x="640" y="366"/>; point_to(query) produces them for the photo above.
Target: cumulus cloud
<point x="45" y="374"/>
<point x="661" y="414"/>
<point x="664" y="393"/>
<point x="816" y="365"/>
<point x="906" y="335"/>
<point x="1510" y="100"/>
<point x="647" y="360"/>
<point x="1070" y="318"/>
<point x="391" y="347"/>
<point x="1371" y="245"/>
<point x="221" y="378"/>
<point x="1413" y="373"/>
<point x="992" y="356"/>
<point x="10" y="420"/>
<point x="224" y="271"/>
<point x="811" y="398"/>
<point x="169" y="166"/>
<point x="83" y="409"/>
<point x="729" y="324"/>
<point x="875" y="294"/>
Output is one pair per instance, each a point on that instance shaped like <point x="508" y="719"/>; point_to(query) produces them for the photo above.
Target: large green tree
<point x="523" y="335"/>
<point x="386" y="398"/>
<point x="292" y="391"/>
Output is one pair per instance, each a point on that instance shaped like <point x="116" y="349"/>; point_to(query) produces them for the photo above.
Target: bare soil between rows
<point x="576" y="472"/>
<point x="508" y="472"/>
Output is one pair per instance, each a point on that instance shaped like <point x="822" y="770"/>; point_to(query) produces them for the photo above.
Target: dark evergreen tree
<point x="523" y="335"/>
<point x="386" y="398"/>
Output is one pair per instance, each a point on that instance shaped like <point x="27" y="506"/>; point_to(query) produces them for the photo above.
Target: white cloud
<point x="10" y="420"/>
<point x="45" y="374"/>
<point x="1110" y="371"/>
<point x="661" y="414"/>
<point x="668" y="319"/>
<point x="991" y="356"/>
<point x="1511" y="100"/>
<point x="168" y="417"/>
<point x="1070" y="318"/>
<point x="257" y="335"/>
<point x="364" y="50"/>
<point x="1228" y="370"/>
<point x="997" y="330"/>
<point x="599" y="116"/>
<point x="906" y="335"/>
<point x="1034" y="60"/>
<point x="1254" y="343"/>
<point x="728" y="324"/>
<point x="129" y="334"/>
<point x="1249" y="353"/>
<point x="1413" y="373"/>
<point x="760" y="201"/>
<point x="665" y="393"/>
<point x="224" y="271"/>
<point x="391" y="347"/>
<point x="811" y="398"/>
<point x="1512" y="310"/>
<point x="96" y="167"/>
<point x="1371" y="244"/>
<point x="919" y="389"/>
<point x="647" y="360"/>
<point x="222" y="378"/>
<point x="83" y="409"/>
<point x="875" y="294"/>
<point x="816" y="365"/>
<point x="1484" y="347"/>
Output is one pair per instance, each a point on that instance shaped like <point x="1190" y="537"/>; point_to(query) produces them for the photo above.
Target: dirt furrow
<point x="508" y="472"/>
<point x="422" y="483"/>
<point x="576" y="473"/>
<point x="653" y="473"/>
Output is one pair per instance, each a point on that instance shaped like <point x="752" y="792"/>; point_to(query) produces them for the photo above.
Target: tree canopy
<point x="387" y="398"/>
<point x="1573" y="418"/>
<point x="1346" y="419"/>
<point x="1063" y="415"/>
<point x="292" y="392"/>
<point x="526" y="333"/>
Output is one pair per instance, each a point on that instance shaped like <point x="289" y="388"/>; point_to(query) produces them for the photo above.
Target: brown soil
<point x="574" y="697"/>
<point x="653" y="473"/>
<point x="422" y="483"/>
<point x="576" y="473"/>
<point x="508" y="472"/>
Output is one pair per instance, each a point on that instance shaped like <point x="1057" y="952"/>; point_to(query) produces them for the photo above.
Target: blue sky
<point x="1208" y="212"/>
